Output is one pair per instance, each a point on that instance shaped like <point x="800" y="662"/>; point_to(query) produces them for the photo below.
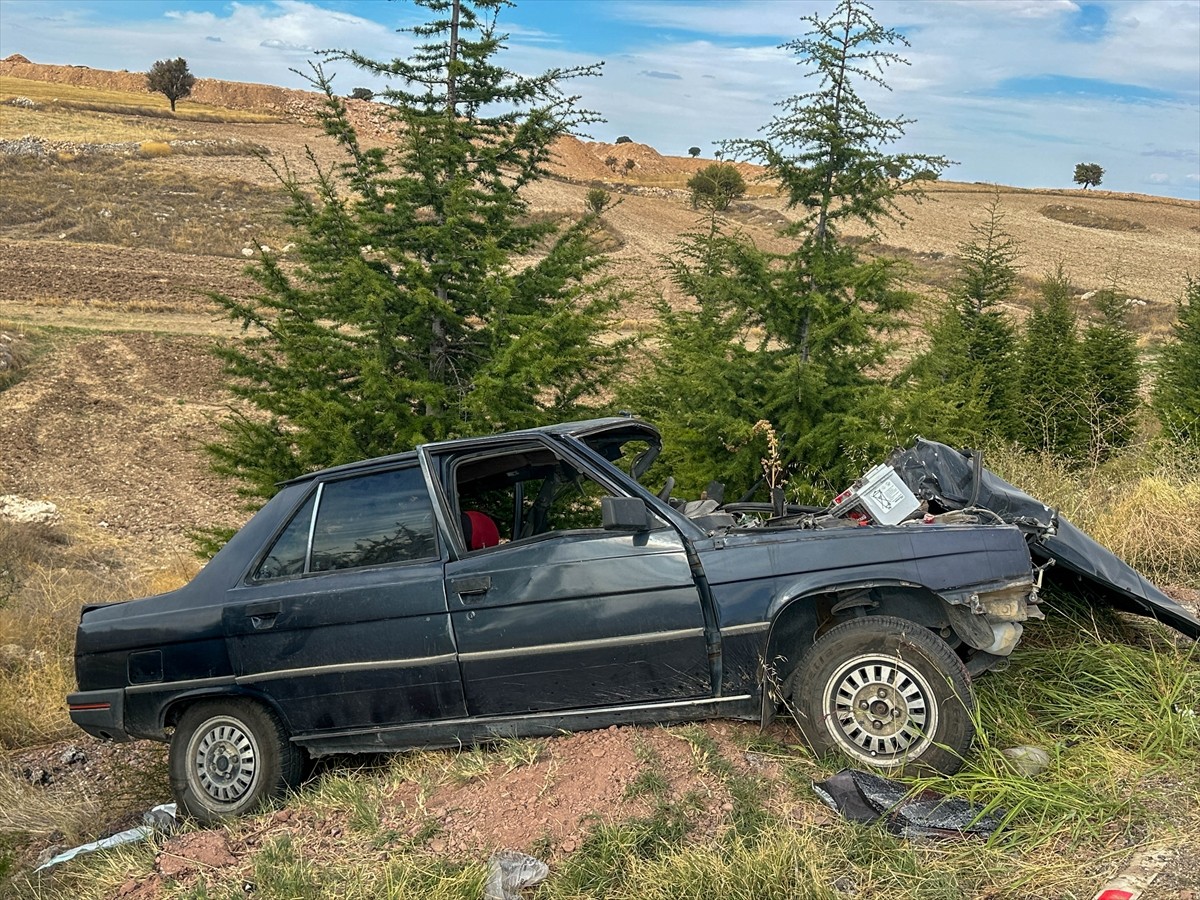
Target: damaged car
<point x="527" y="583"/>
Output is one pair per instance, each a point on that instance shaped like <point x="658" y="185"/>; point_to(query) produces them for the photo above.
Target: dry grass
<point x="137" y="203"/>
<point x="28" y="810"/>
<point x="44" y="580"/>
<point x="51" y="96"/>
<point x="1144" y="504"/>
<point x="1088" y="218"/>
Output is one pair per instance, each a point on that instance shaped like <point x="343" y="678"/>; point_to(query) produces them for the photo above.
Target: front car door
<point x="553" y="612"/>
<point x="342" y="622"/>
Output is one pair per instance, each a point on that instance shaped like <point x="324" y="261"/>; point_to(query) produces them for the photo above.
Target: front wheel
<point x="886" y="692"/>
<point x="229" y="756"/>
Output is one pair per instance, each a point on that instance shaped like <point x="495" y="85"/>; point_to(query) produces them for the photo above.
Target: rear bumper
<point x="100" y="713"/>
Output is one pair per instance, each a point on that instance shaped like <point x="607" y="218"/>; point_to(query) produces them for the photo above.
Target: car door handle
<point x="471" y="589"/>
<point x="263" y="615"/>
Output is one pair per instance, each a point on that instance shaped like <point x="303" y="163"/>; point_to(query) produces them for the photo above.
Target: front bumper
<point x="100" y="713"/>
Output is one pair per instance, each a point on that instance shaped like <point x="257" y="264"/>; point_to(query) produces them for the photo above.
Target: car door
<point x="343" y="621"/>
<point x="561" y="614"/>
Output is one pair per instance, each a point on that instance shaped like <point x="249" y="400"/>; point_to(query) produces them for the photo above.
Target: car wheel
<point x="229" y="756"/>
<point x="886" y="692"/>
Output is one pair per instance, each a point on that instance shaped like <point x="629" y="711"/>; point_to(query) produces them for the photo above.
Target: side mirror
<point x="624" y="514"/>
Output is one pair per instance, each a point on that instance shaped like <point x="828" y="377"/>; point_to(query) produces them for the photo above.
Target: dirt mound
<point x="230" y="94"/>
<point x="586" y="161"/>
<point x="577" y="780"/>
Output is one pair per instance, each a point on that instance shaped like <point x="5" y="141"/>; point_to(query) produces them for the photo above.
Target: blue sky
<point x="1017" y="91"/>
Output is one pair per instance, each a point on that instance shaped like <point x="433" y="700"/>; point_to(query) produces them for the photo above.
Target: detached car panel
<point x="527" y="583"/>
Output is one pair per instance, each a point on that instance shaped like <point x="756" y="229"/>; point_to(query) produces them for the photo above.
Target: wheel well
<point x="805" y="618"/>
<point x="178" y="706"/>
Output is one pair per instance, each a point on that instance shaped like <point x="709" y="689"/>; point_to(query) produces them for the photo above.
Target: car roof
<point x="580" y="429"/>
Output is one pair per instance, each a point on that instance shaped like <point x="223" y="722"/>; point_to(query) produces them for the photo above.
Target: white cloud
<point x="1158" y="178"/>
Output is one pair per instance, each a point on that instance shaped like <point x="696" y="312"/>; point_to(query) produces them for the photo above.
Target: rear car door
<point x="343" y="621"/>
<point x="552" y="612"/>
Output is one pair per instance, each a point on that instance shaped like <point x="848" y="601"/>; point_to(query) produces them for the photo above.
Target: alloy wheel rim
<point x="225" y="760"/>
<point x="880" y="710"/>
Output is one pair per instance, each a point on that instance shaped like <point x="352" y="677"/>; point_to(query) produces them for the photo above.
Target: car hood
<point x="953" y="480"/>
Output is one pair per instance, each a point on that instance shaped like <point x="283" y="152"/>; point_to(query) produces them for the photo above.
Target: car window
<point x="370" y="520"/>
<point x="287" y="555"/>
<point x="526" y="492"/>
<point x="373" y="519"/>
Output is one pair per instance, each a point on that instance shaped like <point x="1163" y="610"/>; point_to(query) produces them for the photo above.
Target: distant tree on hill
<point x="611" y="162"/>
<point x="171" y="78"/>
<point x="629" y="166"/>
<point x="362" y="93"/>
<point x="716" y="186"/>
<point x="693" y="152"/>
<point x="624" y="139"/>
<point x="1088" y="174"/>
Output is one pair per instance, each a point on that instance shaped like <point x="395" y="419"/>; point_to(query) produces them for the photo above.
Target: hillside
<point x="118" y="219"/>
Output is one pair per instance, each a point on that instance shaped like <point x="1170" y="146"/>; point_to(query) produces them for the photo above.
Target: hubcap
<point x="224" y="760"/>
<point x="879" y="710"/>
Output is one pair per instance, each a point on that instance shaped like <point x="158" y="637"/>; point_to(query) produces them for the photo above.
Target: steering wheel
<point x="665" y="494"/>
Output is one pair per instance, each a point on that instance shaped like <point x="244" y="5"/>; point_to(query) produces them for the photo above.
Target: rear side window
<point x="371" y="520"/>
<point x="290" y="550"/>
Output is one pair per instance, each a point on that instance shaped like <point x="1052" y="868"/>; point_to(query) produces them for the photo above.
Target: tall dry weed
<point x="44" y="581"/>
<point x="1143" y="504"/>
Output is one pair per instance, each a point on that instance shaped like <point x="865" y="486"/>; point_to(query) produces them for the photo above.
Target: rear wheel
<point x="229" y="756"/>
<point x="886" y="692"/>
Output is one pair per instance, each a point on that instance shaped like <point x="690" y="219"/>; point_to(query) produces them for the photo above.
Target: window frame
<point x="316" y="496"/>
<point x="453" y="460"/>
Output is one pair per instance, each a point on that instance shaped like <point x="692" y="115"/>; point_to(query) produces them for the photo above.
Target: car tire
<point x="885" y="692"/>
<point x="228" y="757"/>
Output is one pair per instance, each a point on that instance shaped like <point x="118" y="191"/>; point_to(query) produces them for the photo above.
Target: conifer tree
<point x="971" y="358"/>
<point x="704" y="385"/>
<point x="1177" y="390"/>
<point x="411" y="314"/>
<point x="796" y="338"/>
<point x="1055" y="418"/>
<point x="824" y="320"/>
<point x="1111" y="375"/>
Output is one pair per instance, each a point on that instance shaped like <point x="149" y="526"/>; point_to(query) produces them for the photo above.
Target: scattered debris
<point x="161" y="818"/>
<point x="509" y="871"/>
<point x="866" y="798"/>
<point x="1139" y="875"/>
<point x="1028" y="761"/>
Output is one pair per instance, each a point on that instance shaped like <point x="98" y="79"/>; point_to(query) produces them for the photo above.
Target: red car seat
<point x="479" y="530"/>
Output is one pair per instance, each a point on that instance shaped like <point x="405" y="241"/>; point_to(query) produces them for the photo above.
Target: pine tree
<point x="410" y="316"/>
<point x="1055" y="417"/>
<point x="704" y="385"/>
<point x="1111" y="375"/>
<point x="1177" y="390"/>
<point x="823" y="322"/>
<point x="971" y="360"/>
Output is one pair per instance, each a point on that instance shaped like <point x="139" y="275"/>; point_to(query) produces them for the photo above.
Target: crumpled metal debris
<point x="863" y="797"/>
<point x="509" y="871"/>
<point x="159" y="819"/>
